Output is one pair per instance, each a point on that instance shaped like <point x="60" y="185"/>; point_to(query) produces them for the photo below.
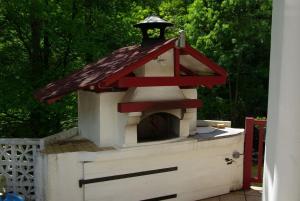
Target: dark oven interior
<point x="158" y="126"/>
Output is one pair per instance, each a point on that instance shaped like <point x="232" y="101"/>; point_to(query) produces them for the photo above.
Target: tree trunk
<point x="46" y="51"/>
<point x="36" y="56"/>
<point x="36" y="60"/>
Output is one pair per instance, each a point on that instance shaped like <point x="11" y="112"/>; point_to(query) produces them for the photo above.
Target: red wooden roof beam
<point x="208" y="81"/>
<point x="158" y="105"/>
<point x="187" y="71"/>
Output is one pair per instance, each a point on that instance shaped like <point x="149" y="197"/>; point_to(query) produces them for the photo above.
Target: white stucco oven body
<point x="117" y="153"/>
<point x="200" y="160"/>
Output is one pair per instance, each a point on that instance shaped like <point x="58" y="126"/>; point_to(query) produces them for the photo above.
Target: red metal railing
<point x="250" y="124"/>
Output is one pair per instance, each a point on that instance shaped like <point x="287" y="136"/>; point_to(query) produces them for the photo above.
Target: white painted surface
<point x="191" y="113"/>
<point x="162" y="66"/>
<point x="63" y="172"/>
<point x="99" y="119"/>
<point x="112" y="122"/>
<point x="194" y="65"/>
<point x="130" y="135"/>
<point x="153" y="94"/>
<point x="213" y="123"/>
<point x="202" y="171"/>
<point x="89" y="115"/>
<point x="282" y="159"/>
<point x="184" y="128"/>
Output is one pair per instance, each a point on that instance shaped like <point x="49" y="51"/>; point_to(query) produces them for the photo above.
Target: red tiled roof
<point x="103" y="72"/>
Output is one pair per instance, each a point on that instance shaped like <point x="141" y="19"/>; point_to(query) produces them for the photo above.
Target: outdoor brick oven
<point x="139" y="107"/>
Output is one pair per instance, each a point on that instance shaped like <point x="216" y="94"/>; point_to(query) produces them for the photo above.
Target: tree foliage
<point x="44" y="40"/>
<point x="236" y="34"/>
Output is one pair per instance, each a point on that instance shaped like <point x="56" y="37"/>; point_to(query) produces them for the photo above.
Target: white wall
<point x="282" y="157"/>
<point x="89" y="115"/>
<point x="163" y="65"/>
<point x="112" y="121"/>
<point x="191" y="113"/>
<point x="61" y="177"/>
<point x="153" y="94"/>
<point x="202" y="171"/>
<point x="99" y="119"/>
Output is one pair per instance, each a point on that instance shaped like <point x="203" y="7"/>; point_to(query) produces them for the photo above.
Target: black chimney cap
<point x="153" y="22"/>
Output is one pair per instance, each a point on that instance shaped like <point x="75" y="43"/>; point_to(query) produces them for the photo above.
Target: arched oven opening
<point x="158" y="126"/>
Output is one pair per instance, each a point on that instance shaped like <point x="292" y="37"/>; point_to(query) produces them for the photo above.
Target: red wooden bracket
<point x="158" y="105"/>
<point x="187" y="71"/>
<point x="195" y="81"/>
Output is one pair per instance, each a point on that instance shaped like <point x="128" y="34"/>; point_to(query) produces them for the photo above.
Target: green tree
<point x="236" y="34"/>
<point x="44" y="40"/>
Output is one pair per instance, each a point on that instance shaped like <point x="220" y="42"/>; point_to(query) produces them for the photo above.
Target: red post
<point x="249" y="125"/>
<point x="260" y="153"/>
<point x="176" y="62"/>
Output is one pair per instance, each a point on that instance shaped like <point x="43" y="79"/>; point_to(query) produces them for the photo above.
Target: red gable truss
<point x="116" y="71"/>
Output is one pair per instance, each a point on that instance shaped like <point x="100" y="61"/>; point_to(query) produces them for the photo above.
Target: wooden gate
<point x="255" y="131"/>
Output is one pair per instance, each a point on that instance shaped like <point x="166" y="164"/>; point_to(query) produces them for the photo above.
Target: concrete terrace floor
<point x="254" y="194"/>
